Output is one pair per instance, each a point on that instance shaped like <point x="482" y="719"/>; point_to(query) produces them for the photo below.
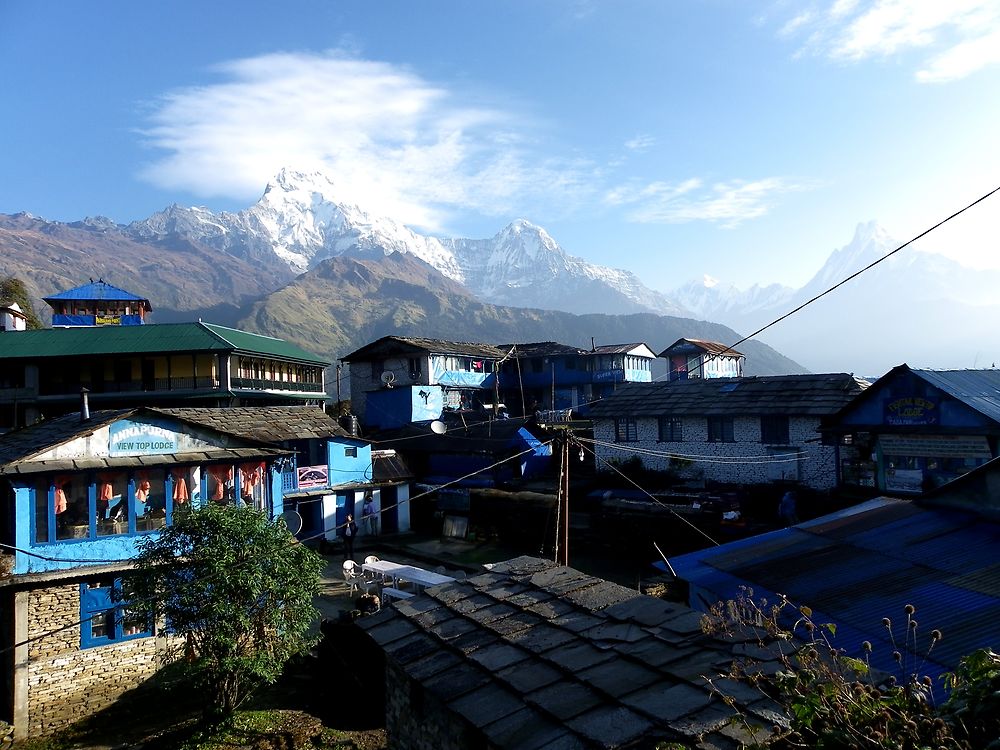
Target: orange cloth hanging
<point x="250" y="476"/>
<point x="181" y="494"/>
<point x="221" y="475"/>
<point x="61" y="503"/>
<point x="142" y="486"/>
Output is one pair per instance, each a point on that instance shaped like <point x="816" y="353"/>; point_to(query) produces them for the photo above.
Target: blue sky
<point x="744" y="140"/>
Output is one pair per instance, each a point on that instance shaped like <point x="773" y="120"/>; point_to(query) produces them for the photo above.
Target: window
<point x="625" y="430"/>
<point x="253" y="488"/>
<point x="670" y="430"/>
<point x="111" y="510"/>
<point x="720" y="430"/>
<point x="774" y="429"/>
<point x="351" y="452"/>
<point x="105" y="621"/>
<point x="220" y="483"/>
<point x="150" y="496"/>
<point x="72" y="507"/>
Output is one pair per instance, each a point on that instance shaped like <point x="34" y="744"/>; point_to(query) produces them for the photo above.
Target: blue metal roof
<point x="868" y="562"/>
<point x="97" y="290"/>
<point x="980" y="389"/>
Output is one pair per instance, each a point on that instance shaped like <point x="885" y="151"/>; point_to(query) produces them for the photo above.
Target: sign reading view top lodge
<point x="129" y="438"/>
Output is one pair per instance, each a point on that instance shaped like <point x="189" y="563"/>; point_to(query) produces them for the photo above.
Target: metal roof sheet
<point x="980" y="389"/>
<point x="710" y="347"/>
<point x="804" y="395"/>
<point x="869" y="563"/>
<point x="97" y="290"/>
<point x="163" y="338"/>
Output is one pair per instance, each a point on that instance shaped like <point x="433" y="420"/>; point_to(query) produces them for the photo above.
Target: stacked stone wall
<point x="66" y="683"/>
<point x="817" y="469"/>
<point x="416" y="720"/>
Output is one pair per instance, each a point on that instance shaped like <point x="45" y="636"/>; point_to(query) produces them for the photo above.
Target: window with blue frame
<point x="116" y="502"/>
<point x="103" y="620"/>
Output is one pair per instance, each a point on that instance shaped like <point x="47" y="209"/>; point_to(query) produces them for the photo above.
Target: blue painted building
<point x="97" y="303"/>
<point x="914" y="430"/>
<point x="551" y="376"/>
<point x="464" y="372"/>
<point x="78" y="494"/>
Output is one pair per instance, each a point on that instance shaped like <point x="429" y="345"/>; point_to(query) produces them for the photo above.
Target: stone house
<point x="744" y="431"/>
<point x="530" y="655"/>
<point x="77" y="494"/>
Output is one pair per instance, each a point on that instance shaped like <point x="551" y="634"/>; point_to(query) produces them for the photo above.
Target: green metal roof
<point x="163" y="338"/>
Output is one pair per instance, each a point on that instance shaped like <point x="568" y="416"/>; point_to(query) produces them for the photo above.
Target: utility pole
<point x="562" y="498"/>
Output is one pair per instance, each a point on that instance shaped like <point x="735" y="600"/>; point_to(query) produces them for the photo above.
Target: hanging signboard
<point x="108" y="320"/>
<point x="128" y="438"/>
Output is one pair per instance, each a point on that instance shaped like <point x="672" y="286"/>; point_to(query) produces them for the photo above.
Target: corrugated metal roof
<point x="98" y="290"/>
<point x="162" y="338"/>
<point x="620" y="348"/>
<point x="778" y="394"/>
<point x="711" y="347"/>
<point x="980" y="389"/>
<point x="855" y="567"/>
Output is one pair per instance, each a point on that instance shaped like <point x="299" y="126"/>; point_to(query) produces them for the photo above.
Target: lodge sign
<point x="911" y="410"/>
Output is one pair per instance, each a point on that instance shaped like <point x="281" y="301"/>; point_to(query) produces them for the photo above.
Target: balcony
<point x="131" y="386"/>
<point x="262" y="384"/>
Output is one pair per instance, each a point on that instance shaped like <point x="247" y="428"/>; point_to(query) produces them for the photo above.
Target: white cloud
<point x="400" y="145"/>
<point x="957" y="37"/>
<point x="640" y="142"/>
<point x="727" y="203"/>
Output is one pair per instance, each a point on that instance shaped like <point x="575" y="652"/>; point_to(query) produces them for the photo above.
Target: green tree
<point x="237" y="588"/>
<point x="13" y="289"/>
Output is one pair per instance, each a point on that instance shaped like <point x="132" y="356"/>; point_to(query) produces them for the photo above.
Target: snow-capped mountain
<point x="879" y="319"/>
<point x="303" y="219"/>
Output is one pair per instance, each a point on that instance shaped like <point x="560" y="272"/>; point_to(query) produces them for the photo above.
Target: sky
<point x="676" y="139"/>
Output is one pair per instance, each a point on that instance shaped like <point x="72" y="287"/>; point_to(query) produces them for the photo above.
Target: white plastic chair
<point x="354" y="577"/>
<point x="370" y="575"/>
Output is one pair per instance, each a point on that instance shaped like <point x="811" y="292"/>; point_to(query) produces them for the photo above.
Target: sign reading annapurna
<point x="129" y="438"/>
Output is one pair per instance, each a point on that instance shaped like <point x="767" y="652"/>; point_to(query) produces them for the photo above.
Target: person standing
<point x="369" y="516"/>
<point x="350" y="531"/>
<point x="788" y="510"/>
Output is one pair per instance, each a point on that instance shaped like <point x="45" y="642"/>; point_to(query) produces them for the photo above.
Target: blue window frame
<point x="105" y="621"/>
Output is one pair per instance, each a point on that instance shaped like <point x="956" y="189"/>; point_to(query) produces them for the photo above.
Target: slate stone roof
<point x="794" y="395"/>
<point x="269" y="424"/>
<point x="19" y="446"/>
<point x="389" y="346"/>
<point x="539" y="655"/>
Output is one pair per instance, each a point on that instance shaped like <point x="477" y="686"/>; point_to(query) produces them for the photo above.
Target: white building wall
<point x="817" y="469"/>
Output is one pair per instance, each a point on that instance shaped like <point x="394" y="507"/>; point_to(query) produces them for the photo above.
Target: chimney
<point x="84" y="405"/>
<point x="593" y="346"/>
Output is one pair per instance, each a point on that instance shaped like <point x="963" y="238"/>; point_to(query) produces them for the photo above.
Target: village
<point x="522" y="537"/>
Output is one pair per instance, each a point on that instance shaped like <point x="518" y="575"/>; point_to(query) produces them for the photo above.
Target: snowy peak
<point x="303" y="218"/>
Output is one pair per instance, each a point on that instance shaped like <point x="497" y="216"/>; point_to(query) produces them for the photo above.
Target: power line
<point x="849" y="278"/>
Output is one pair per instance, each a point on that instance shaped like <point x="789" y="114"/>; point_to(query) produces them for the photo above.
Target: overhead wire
<point x="849" y="278"/>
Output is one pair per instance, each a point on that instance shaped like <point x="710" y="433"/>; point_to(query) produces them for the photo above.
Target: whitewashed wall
<point x="817" y="469"/>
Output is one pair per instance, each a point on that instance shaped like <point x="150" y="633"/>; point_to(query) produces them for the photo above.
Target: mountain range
<point x="308" y="264"/>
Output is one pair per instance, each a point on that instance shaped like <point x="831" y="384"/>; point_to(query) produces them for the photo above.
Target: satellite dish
<point x="438" y="427"/>
<point x="387" y="378"/>
<point x="293" y="521"/>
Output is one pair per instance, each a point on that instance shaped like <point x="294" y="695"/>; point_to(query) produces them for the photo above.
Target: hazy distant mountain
<point x="303" y="219"/>
<point x="347" y="301"/>
<point x="914" y="307"/>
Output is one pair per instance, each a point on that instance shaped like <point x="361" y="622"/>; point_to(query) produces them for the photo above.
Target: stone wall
<point x="416" y="720"/>
<point x="66" y="683"/>
<point x="817" y="469"/>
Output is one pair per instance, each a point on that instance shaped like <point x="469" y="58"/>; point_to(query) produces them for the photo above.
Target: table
<point x="409" y="573"/>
